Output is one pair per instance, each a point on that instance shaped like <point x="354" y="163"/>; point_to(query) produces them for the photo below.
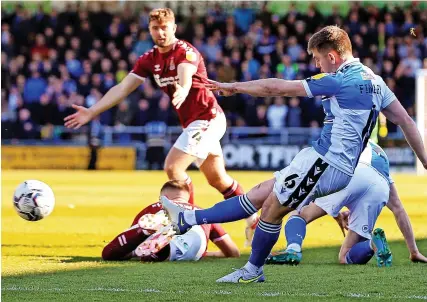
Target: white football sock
<point x="295" y="246"/>
<point x="253" y="269"/>
<point x="190" y="217"/>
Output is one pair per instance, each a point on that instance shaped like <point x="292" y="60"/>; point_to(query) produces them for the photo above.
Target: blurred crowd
<point x="53" y="59"/>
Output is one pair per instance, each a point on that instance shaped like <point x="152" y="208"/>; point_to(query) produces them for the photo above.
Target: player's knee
<point x="341" y="257"/>
<point x="273" y="211"/>
<point x="172" y="170"/>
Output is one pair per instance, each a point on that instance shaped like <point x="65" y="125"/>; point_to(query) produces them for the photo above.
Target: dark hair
<point x="330" y="37"/>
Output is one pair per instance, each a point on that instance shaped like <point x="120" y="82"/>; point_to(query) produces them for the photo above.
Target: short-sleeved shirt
<point x="352" y="98"/>
<point x="200" y="103"/>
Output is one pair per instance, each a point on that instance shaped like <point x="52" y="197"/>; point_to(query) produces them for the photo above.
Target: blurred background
<point x="56" y="54"/>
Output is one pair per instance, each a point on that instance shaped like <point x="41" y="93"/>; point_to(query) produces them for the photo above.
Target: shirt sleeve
<point x="388" y="97"/>
<point x="217" y="232"/>
<point x="188" y="54"/>
<point x="326" y="84"/>
<point x="141" y="69"/>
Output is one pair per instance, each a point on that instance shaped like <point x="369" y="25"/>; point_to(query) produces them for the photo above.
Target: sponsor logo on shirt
<point x="191" y="56"/>
<point x="366" y="76"/>
<point x="157" y="67"/>
<point x="162" y="82"/>
<point x="319" y="76"/>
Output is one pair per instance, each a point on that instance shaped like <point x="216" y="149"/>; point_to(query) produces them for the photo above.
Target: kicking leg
<point x="229" y="210"/>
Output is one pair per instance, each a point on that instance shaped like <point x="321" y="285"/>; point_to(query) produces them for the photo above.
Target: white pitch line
<point x="214" y="292"/>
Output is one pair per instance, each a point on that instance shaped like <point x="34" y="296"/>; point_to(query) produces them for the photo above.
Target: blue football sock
<point x="360" y="253"/>
<point x="266" y="236"/>
<point x="232" y="209"/>
<point x="295" y="229"/>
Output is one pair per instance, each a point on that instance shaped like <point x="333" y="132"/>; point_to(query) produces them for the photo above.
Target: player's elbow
<point x="108" y="254"/>
<point x="403" y="120"/>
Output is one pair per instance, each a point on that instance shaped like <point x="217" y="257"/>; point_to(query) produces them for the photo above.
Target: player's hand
<point x="342" y="220"/>
<point x="82" y="116"/>
<point x="418" y="257"/>
<point x="179" y="96"/>
<point x="224" y="89"/>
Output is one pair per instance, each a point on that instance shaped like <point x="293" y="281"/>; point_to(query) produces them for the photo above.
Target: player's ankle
<point x="294" y="246"/>
<point x="251" y="268"/>
<point x="190" y="217"/>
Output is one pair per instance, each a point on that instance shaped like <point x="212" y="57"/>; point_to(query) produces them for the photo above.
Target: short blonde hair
<point x="330" y="38"/>
<point x="162" y="15"/>
<point x="176" y="185"/>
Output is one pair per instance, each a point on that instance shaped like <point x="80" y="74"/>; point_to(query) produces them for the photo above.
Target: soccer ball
<point x="33" y="200"/>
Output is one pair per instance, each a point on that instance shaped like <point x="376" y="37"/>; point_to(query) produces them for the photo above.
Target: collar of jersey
<point x="347" y="63"/>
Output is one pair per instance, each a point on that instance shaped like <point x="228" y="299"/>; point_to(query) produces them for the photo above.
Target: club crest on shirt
<point x="172" y="64"/>
<point x="191" y="56"/>
<point x="319" y="76"/>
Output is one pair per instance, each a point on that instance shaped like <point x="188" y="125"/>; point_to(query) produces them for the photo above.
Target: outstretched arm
<point x="398" y="115"/>
<point x="402" y="220"/>
<point x="260" y="88"/>
<point x="114" y="96"/>
<point x="185" y="75"/>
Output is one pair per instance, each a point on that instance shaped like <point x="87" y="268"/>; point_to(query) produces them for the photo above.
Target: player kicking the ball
<point x="353" y="96"/>
<point x="151" y="239"/>
<point x="370" y="189"/>
<point x="179" y="70"/>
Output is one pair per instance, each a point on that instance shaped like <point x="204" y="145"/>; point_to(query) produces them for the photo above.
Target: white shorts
<point x="365" y="196"/>
<point x="306" y="178"/>
<point x="188" y="247"/>
<point x="202" y="138"/>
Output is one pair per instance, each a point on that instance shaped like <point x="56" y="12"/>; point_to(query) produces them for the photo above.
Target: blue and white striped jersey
<point x="352" y="98"/>
<point x="374" y="156"/>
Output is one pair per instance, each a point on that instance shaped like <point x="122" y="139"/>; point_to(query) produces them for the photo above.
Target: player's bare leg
<point x="350" y="240"/>
<point x="176" y="165"/>
<point x="213" y="168"/>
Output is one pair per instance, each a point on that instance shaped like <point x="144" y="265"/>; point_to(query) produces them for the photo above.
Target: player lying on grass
<point x="370" y="189"/>
<point x="150" y="239"/>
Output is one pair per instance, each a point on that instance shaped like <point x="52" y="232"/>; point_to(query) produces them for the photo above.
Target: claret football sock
<point x="234" y="190"/>
<point x="189" y="182"/>
<point x="229" y="210"/>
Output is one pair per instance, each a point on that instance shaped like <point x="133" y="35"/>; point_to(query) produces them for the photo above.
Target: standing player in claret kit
<point x="179" y="70"/>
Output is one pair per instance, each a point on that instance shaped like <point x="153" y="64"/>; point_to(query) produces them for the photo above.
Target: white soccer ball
<point x="33" y="200"/>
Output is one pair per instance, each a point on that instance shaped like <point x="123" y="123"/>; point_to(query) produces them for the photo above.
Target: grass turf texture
<point x="58" y="258"/>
